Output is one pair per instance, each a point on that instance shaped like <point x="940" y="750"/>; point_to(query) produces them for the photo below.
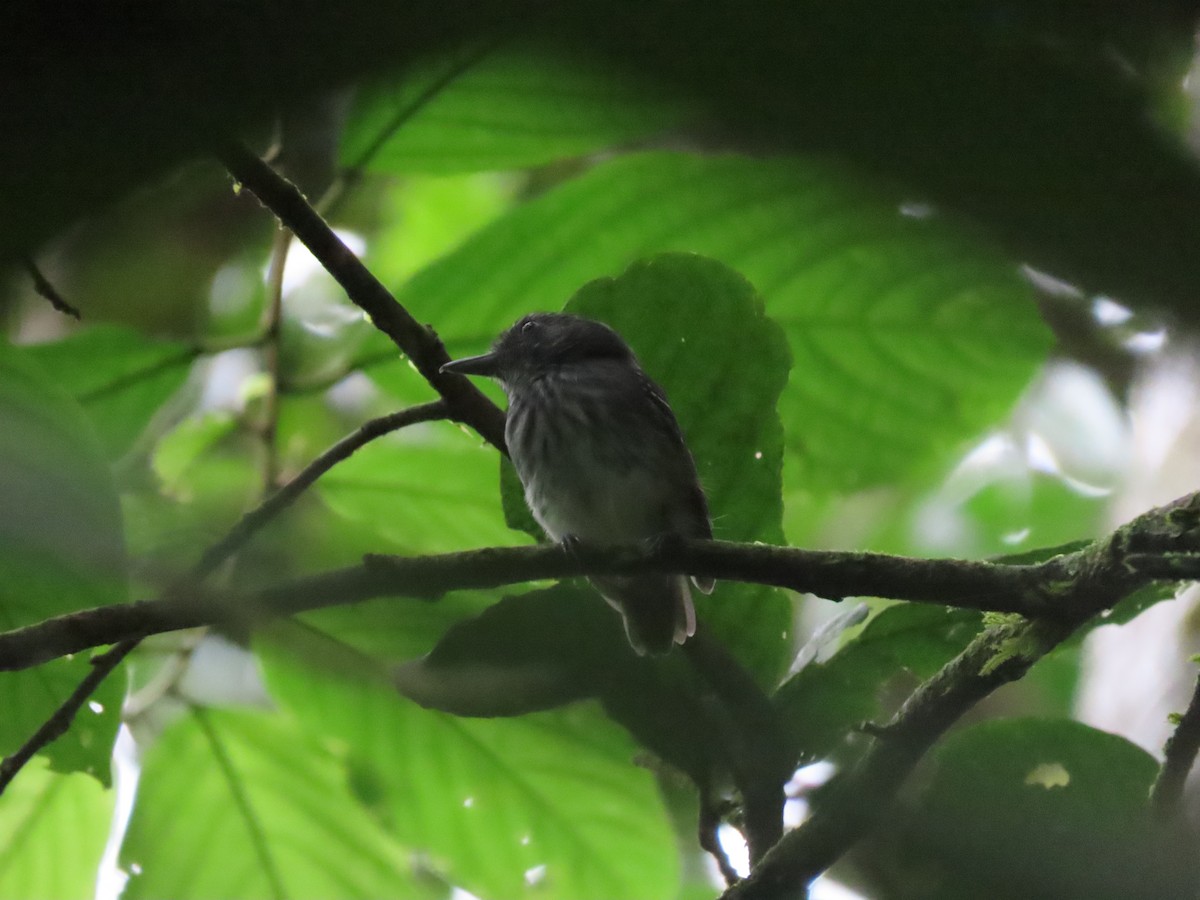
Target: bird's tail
<point x="657" y="610"/>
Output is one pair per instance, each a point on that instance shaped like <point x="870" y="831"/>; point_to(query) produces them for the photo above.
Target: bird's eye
<point x="529" y="327"/>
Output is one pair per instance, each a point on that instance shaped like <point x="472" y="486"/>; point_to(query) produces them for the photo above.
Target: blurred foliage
<point x="888" y="317"/>
<point x="491" y="800"/>
<point x="500" y="108"/>
<point x="807" y="219"/>
<point x="254" y="791"/>
<point x="54" y="828"/>
<point x="61" y="549"/>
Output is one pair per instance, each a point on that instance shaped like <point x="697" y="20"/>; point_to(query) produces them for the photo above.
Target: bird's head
<point x="542" y="342"/>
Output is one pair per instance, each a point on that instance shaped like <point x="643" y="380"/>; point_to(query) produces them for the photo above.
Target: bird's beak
<point x="473" y="365"/>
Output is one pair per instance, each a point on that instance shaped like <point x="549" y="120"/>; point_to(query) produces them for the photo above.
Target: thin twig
<point x="465" y="402"/>
<point x="58" y="723"/>
<point x="266" y="431"/>
<point x="708" y="834"/>
<point x="43" y="287"/>
<point x="1179" y="755"/>
<point x="272" y="323"/>
<point x="256" y="518"/>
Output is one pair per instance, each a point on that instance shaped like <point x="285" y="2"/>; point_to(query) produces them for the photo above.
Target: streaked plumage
<point x="601" y="458"/>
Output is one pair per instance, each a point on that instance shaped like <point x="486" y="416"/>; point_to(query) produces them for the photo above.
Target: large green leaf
<point x="529" y="652"/>
<point x="508" y="109"/>
<point x="119" y="376"/>
<point x="208" y="472"/>
<point x="246" y="805"/>
<point x="823" y="703"/>
<point x="543" y="649"/>
<point x="399" y="629"/>
<point x="423" y="217"/>
<point x="424" y="490"/>
<point x="1048" y="808"/>
<point x="908" y="334"/>
<point x="53" y="829"/>
<point x="496" y="804"/>
<point x="61" y="549"/>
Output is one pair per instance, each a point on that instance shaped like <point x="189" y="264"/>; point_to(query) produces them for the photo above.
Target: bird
<point x="601" y="458"/>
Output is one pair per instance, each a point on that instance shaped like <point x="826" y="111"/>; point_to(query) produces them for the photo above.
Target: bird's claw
<point x="665" y="542"/>
<point x="571" y="544"/>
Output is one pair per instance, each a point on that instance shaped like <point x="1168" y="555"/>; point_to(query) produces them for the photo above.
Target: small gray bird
<point x="601" y="458"/>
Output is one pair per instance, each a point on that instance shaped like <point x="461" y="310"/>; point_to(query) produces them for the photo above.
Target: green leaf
<point x="396" y="630"/>
<point x="908" y="335"/>
<point x="495" y="803"/>
<point x="512" y="498"/>
<point x="1052" y="808"/>
<point x="822" y="704"/>
<point x="530" y="652"/>
<point x="423" y="490"/>
<point x="209" y="473"/>
<point x="245" y="805"/>
<point x="1020" y="516"/>
<point x="61" y="549"/>
<point x="424" y="217"/>
<point x="1040" y="554"/>
<point x="1044" y="509"/>
<point x="179" y="451"/>
<point x="119" y="376"/>
<point x="32" y="696"/>
<point x="726" y="409"/>
<point x="53" y="829"/>
<point x="543" y="649"/>
<point x="513" y="108"/>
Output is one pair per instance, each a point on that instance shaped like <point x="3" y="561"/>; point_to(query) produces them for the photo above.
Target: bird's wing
<point x="690" y="518"/>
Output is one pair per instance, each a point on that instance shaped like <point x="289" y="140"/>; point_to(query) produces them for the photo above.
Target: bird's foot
<point x="665" y="542"/>
<point x="572" y="544"/>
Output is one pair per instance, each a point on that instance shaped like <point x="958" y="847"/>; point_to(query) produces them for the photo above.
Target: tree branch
<point x="466" y="403"/>
<point x="1063" y="591"/>
<point x="1179" y="755"/>
<point x="273" y="505"/>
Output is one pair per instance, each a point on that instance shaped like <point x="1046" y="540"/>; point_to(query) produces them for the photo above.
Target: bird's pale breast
<point x="584" y="476"/>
